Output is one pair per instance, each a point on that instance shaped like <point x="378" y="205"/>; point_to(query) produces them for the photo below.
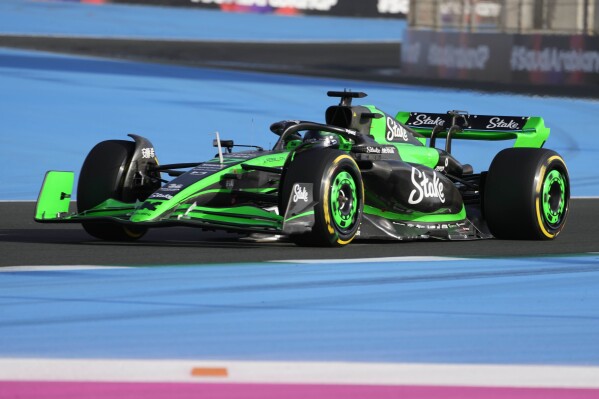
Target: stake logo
<point x="425" y="188"/>
<point x="425" y="120"/>
<point x="300" y="193"/>
<point x="500" y="123"/>
<point x="395" y="130"/>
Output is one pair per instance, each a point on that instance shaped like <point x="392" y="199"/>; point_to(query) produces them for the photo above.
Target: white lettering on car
<point x="160" y="195"/>
<point x="395" y="130"/>
<point x="300" y="193"/>
<point x="147" y="153"/>
<point x="425" y="188"/>
<point x="498" y="122"/>
<point x="424" y="119"/>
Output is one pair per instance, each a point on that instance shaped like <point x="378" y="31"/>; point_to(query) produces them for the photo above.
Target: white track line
<point x="374" y="260"/>
<point x="98" y="370"/>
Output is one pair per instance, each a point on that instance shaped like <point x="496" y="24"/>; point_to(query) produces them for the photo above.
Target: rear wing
<point x="528" y="131"/>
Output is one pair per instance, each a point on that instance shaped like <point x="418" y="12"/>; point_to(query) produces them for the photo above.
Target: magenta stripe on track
<point x="102" y="390"/>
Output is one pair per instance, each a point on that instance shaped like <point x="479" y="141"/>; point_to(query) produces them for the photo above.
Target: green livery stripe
<point x="112" y="204"/>
<point x="262" y="190"/>
<point x="416" y="154"/>
<point x="238" y="220"/>
<point x="106" y="212"/>
<point x="243" y="215"/>
<point x="408" y="152"/>
<point x="239" y="211"/>
<point x="417" y="216"/>
<point x="108" y="208"/>
<point x="211" y="184"/>
<point x="301" y="215"/>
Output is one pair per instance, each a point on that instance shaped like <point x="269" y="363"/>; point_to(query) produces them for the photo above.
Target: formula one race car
<point x="364" y="174"/>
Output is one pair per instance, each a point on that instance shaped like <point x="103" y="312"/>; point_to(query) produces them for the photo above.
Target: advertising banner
<point x="454" y="55"/>
<point x="556" y="60"/>
<point x="552" y="59"/>
<point x="344" y="8"/>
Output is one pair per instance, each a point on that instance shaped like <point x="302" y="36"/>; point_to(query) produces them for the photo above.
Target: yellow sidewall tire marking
<point x="538" y="195"/>
<point x="325" y="206"/>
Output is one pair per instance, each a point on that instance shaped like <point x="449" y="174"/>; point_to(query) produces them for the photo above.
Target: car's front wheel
<point x="102" y="177"/>
<point x="338" y="193"/>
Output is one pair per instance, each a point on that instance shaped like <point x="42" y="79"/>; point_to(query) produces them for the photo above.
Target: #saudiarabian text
<point x="551" y="59"/>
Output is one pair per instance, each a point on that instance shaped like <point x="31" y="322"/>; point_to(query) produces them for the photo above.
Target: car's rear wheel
<point x="338" y="192"/>
<point x="102" y="177"/>
<point x="527" y="194"/>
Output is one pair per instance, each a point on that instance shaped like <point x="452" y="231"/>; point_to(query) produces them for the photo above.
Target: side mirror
<point x="228" y="144"/>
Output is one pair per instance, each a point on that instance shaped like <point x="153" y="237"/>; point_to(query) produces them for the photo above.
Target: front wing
<point x="55" y="198"/>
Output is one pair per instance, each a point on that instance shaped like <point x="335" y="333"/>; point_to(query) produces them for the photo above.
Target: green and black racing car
<point x="363" y="174"/>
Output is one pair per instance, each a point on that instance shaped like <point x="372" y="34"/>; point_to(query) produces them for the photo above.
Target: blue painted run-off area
<point x="54" y="109"/>
<point x="516" y="311"/>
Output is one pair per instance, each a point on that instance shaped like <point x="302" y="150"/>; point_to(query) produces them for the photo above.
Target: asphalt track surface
<point x="366" y="60"/>
<point x="25" y="242"/>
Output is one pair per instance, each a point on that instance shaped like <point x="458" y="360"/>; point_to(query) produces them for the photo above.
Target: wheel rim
<point x="554" y="198"/>
<point x="344" y="201"/>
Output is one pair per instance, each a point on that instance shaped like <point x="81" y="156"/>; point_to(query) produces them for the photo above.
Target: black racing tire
<point x="102" y="177"/>
<point x="338" y="192"/>
<point x="526" y="194"/>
